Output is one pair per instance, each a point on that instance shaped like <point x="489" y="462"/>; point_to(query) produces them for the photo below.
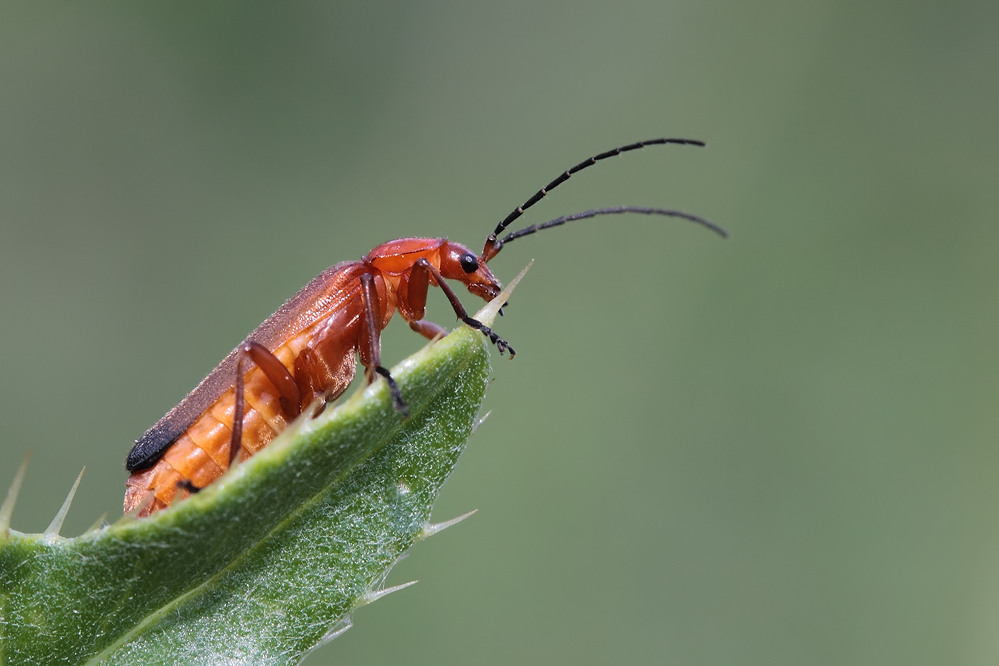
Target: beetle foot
<point x="501" y="344"/>
<point x="397" y="402"/>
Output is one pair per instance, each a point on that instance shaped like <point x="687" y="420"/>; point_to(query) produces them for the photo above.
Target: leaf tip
<point x="488" y="313"/>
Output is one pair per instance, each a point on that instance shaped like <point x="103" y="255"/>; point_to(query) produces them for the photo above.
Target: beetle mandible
<point x="307" y="350"/>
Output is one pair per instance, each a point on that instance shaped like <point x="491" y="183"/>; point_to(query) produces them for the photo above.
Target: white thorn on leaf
<point x="99" y="523"/>
<point x="7" y="509"/>
<point x="431" y="529"/>
<point x="138" y="508"/>
<point x="338" y="629"/>
<point x="375" y="595"/>
<point x="489" y="311"/>
<point x="480" y="421"/>
<point x="57" y="520"/>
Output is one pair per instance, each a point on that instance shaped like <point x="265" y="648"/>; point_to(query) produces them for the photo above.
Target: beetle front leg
<point x="459" y="310"/>
<point x="370" y="340"/>
<point x="414" y="305"/>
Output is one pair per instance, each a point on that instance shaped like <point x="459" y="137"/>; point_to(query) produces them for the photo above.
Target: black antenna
<point x="491" y="248"/>
<point x="617" y="210"/>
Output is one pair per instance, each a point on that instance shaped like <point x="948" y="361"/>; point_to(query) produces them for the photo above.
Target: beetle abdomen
<point x="201" y="453"/>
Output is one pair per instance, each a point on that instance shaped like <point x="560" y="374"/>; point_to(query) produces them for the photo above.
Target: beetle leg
<point x="428" y="329"/>
<point x="308" y="365"/>
<point x="370" y="337"/>
<point x="306" y="370"/>
<point x="278" y="375"/>
<point x="501" y="344"/>
<point x="414" y="306"/>
<point x="238" y="409"/>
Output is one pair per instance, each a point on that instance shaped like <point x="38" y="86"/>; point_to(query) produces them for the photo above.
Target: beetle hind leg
<point x="277" y="374"/>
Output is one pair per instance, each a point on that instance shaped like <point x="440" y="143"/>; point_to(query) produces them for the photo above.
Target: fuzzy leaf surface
<point x="261" y="565"/>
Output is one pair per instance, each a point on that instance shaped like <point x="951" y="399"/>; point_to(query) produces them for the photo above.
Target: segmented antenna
<point x="616" y="210"/>
<point x="492" y="245"/>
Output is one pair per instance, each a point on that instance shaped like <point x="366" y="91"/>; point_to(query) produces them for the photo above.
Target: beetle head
<point x="460" y="263"/>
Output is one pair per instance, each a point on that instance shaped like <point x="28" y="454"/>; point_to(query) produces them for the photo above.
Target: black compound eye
<point x="469" y="263"/>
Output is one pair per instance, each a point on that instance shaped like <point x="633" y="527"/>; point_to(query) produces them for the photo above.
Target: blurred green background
<point x="777" y="449"/>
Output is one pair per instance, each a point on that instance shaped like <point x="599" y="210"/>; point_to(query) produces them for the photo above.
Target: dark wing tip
<point x="149" y="449"/>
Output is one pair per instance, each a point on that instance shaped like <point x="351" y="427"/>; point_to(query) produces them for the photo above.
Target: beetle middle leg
<point x="425" y="267"/>
<point x="371" y="342"/>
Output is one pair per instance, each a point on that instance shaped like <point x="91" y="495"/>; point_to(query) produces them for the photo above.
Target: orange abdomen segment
<point x="201" y="454"/>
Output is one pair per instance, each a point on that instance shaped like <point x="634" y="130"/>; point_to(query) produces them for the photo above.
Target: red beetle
<point x="307" y="349"/>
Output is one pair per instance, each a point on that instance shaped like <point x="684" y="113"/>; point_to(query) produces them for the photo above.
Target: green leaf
<point x="264" y="564"/>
